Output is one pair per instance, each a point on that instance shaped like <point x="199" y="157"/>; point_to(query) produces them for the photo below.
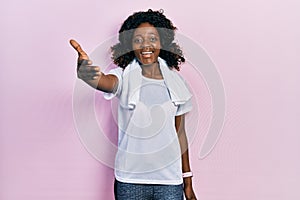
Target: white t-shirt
<point x="148" y="146"/>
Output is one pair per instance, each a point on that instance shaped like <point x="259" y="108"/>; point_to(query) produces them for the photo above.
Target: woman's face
<point x="146" y="44"/>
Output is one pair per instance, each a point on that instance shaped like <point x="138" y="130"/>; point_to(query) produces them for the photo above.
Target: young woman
<point x="152" y="161"/>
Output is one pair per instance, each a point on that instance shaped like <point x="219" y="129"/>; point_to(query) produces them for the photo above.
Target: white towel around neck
<point x="132" y="80"/>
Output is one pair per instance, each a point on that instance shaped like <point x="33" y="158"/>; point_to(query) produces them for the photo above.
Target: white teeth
<point x="146" y="52"/>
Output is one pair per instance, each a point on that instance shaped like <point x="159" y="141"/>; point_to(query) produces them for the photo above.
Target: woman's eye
<point x="137" y="40"/>
<point x="153" y="39"/>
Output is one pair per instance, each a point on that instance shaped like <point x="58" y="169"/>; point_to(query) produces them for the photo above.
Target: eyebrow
<point x="147" y="34"/>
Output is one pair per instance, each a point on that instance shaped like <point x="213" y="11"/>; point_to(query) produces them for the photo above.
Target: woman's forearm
<point x="105" y="83"/>
<point x="187" y="181"/>
<point x="180" y="127"/>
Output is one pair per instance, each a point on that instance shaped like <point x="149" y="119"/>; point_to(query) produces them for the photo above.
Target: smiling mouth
<point x="146" y="52"/>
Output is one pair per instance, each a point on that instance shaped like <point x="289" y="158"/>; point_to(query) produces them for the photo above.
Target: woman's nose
<point x="146" y="43"/>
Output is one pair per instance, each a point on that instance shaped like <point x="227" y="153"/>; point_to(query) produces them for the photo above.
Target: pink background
<point x="254" y="44"/>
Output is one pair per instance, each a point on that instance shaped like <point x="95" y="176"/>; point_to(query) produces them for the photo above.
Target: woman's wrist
<point x="187" y="179"/>
<point x="187" y="174"/>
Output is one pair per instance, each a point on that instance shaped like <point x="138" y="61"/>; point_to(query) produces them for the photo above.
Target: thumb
<point x="82" y="55"/>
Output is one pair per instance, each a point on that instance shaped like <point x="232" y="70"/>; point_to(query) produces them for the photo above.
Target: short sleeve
<point x="184" y="108"/>
<point x="118" y="73"/>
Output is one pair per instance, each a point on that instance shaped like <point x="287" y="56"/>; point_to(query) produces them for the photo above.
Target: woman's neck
<point x="152" y="71"/>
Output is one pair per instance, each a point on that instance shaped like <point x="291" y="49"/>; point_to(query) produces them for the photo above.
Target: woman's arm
<point x="106" y="83"/>
<point x="92" y="75"/>
<point x="180" y="128"/>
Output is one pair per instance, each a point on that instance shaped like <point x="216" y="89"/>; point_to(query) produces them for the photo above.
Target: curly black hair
<point x="122" y="52"/>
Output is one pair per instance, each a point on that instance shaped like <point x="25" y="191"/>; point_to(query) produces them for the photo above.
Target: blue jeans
<point x="131" y="191"/>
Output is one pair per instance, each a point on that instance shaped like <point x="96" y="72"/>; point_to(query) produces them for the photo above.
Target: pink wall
<point x="255" y="46"/>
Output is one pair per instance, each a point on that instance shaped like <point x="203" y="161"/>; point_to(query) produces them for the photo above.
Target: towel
<point x="132" y="80"/>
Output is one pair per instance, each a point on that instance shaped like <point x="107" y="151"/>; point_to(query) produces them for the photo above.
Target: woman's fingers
<point x="88" y="76"/>
<point x="87" y="69"/>
<point x="84" y="69"/>
<point x="82" y="55"/>
<point x="83" y="63"/>
<point x="89" y="72"/>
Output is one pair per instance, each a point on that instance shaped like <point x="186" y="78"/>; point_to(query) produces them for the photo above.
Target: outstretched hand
<point x="85" y="70"/>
